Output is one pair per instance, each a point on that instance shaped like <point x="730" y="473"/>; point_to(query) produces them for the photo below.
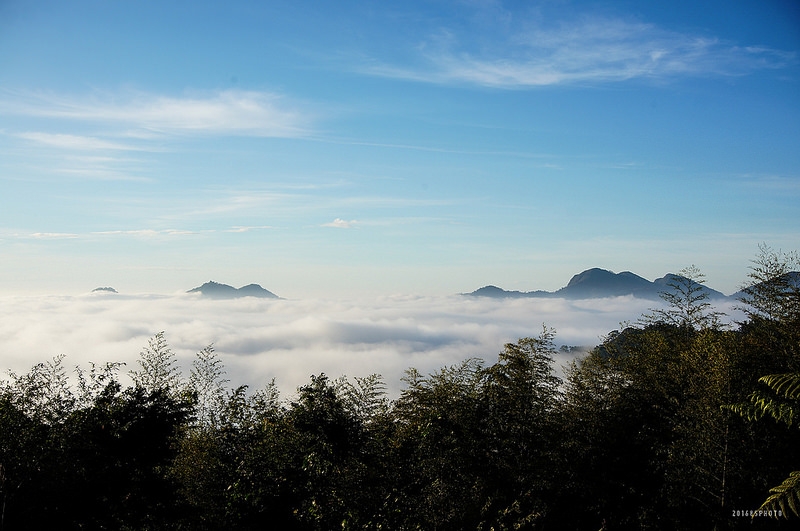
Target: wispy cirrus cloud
<point x="243" y="229"/>
<point x="98" y="173"/>
<point x="75" y="142"/>
<point x="783" y="184"/>
<point x="232" y="112"/>
<point x="127" y="233"/>
<point x="147" y="233"/>
<point x="85" y="157"/>
<point x="433" y="149"/>
<point x="587" y="50"/>
<point x="53" y="235"/>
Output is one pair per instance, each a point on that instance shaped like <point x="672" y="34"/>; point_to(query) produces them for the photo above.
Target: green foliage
<point x="158" y="366"/>
<point x="44" y="392"/>
<point x="438" y="454"/>
<point x="92" y="383"/>
<point x="784" y="496"/>
<point x="787" y="385"/>
<point x="636" y="437"/>
<point x="207" y="382"/>
<point x="101" y="464"/>
<point x="772" y="303"/>
<point x="783" y="405"/>
<point x="475" y="444"/>
<point x="773" y="292"/>
<point x="364" y="397"/>
<point x="688" y="306"/>
<point x="644" y="413"/>
<point x="520" y="398"/>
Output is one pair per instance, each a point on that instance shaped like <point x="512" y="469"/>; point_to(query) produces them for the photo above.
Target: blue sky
<point x="363" y="147"/>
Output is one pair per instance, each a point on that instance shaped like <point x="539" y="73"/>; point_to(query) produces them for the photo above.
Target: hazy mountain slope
<point x="599" y="283"/>
<point x="215" y="290"/>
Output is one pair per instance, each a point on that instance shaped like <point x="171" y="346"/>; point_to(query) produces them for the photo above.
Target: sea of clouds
<point x="289" y="340"/>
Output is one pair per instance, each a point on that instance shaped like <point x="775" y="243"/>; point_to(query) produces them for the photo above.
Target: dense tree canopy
<point x="641" y="433"/>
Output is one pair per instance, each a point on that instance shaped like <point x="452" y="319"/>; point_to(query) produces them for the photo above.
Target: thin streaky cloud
<point x="100" y="174"/>
<point x="248" y="229"/>
<point x="141" y="233"/>
<point x="101" y="159"/>
<point x="776" y="183"/>
<point x="432" y="149"/>
<point x="148" y="232"/>
<point x="75" y="142"/>
<point x="53" y="235"/>
<point x="586" y="51"/>
<point x="394" y="202"/>
<point x="239" y="113"/>
<point x="239" y="201"/>
<point x="281" y="204"/>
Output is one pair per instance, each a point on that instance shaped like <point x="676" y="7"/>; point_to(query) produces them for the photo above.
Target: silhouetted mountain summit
<point x="494" y="291"/>
<point x="215" y="290"/>
<point x="599" y="283"/>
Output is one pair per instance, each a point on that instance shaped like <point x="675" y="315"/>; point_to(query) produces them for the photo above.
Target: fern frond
<point x="786" y="495"/>
<point x="787" y="384"/>
<point x="745" y="410"/>
<point x="762" y="405"/>
<point x="776" y="408"/>
<point x="783" y="408"/>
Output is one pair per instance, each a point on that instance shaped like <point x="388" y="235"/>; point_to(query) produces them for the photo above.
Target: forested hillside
<point x="668" y="424"/>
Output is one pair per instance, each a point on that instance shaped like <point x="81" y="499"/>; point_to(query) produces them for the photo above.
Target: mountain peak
<point x="104" y="289"/>
<point x="592" y="275"/>
<point x="495" y="292"/>
<point x="599" y="283"/>
<point x="216" y="290"/>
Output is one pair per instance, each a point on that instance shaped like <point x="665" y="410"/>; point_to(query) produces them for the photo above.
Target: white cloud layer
<point x="232" y="112"/>
<point x="75" y="142"/>
<point x="289" y="340"/>
<point x="588" y="50"/>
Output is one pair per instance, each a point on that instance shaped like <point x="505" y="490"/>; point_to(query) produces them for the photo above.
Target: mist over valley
<point x="263" y="337"/>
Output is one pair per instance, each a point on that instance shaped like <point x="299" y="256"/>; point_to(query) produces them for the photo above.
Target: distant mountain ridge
<point x="215" y="290"/>
<point x="104" y="289"/>
<point x="599" y="283"/>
